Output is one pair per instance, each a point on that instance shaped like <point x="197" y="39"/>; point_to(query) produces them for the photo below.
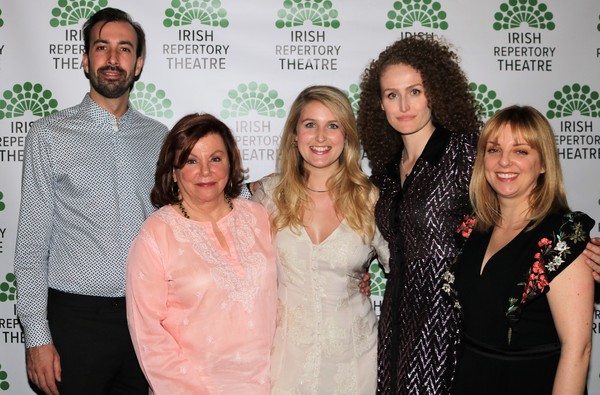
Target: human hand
<point x="253" y="186"/>
<point x="43" y="367"/>
<point x="592" y="254"/>
<point x="365" y="284"/>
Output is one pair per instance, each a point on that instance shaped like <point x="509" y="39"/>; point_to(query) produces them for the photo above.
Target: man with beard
<point x="87" y="175"/>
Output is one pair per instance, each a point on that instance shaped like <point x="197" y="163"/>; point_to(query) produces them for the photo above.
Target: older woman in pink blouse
<point x="201" y="282"/>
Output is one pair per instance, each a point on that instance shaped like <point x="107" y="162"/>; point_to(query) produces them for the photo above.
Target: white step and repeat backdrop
<point x="245" y="61"/>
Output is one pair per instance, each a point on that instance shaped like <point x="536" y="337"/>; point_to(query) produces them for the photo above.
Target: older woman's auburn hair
<point x="176" y="149"/>
<point x="446" y="89"/>
<point x="352" y="193"/>
<point x="548" y="197"/>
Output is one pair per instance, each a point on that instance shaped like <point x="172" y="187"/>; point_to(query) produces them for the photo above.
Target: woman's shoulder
<point x="572" y="221"/>
<point x="248" y="205"/>
<point x="158" y="224"/>
<point x="160" y="217"/>
<point x="562" y="237"/>
<point x="388" y="178"/>
<point x="461" y="152"/>
<point x="464" y="141"/>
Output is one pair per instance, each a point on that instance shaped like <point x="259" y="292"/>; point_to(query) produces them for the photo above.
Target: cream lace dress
<point x="326" y="333"/>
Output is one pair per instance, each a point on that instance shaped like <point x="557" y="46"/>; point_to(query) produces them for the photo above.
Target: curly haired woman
<point x="418" y="124"/>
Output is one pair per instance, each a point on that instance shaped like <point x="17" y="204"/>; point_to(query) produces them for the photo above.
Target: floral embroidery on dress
<point x="464" y="229"/>
<point x="549" y="258"/>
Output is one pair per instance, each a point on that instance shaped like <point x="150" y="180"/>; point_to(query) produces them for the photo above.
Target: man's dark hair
<point x="107" y="15"/>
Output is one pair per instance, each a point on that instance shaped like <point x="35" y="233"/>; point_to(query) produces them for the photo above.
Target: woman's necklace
<point x="185" y="214"/>
<point x="316" y="190"/>
<point x="402" y="168"/>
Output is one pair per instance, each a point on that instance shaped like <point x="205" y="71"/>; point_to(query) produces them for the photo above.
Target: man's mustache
<point x="112" y="68"/>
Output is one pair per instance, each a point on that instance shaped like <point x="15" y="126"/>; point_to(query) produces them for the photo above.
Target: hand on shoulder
<point x="592" y="257"/>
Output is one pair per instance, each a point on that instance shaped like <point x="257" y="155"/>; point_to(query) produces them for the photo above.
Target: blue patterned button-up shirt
<point x="85" y="193"/>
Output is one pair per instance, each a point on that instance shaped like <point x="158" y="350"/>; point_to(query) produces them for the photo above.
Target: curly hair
<point x="352" y="193"/>
<point x="176" y="149"/>
<point x="452" y="105"/>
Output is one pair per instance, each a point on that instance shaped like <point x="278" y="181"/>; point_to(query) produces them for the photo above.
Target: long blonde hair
<point x="351" y="191"/>
<point x="548" y="196"/>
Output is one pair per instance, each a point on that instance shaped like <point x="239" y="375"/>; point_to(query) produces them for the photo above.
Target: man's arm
<point x="31" y="262"/>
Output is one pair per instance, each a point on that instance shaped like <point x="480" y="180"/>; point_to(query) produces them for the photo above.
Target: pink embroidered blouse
<point x="201" y="319"/>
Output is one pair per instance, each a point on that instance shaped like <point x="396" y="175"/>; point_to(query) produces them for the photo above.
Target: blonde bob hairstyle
<point x="351" y="191"/>
<point x="548" y="196"/>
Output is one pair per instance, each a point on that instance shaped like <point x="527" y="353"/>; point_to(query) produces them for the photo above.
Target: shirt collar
<point x="436" y="146"/>
<point x="102" y="116"/>
<point x="432" y="153"/>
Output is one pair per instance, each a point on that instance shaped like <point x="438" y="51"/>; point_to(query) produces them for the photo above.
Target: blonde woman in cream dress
<point x="321" y="207"/>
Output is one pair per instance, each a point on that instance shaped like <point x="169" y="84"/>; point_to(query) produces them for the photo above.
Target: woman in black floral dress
<point x="521" y="283"/>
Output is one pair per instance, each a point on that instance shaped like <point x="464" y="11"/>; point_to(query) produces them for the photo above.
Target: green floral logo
<point x="8" y="288"/>
<point x="514" y="13"/>
<point x="253" y="97"/>
<point x="353" y="94"/>
<point x="408" y="13"/>
<point x="2" y="204"/>
<point x="377" y="279"/>
<point x="69" y="12"/>
<point x="185" y="12"/>
<point x="572" y="99"/>
<point x="150" y="101"/>
<point x="1" y="20"/>
<point x="27" y="97"/>
<point x="316" y="12"/>
<point x="4" y="384"/>
<point x="486" y="99"/>
<point x="597" y="27"/>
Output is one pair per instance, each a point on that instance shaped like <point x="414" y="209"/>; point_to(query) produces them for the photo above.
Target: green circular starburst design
<point x="71" y="12"/>
<point x="149" y="100"/>
<point x="185" y="12"/>
<point x="8" y="288"/>
<point x="27" y="97"/>
<point x="353" y="95"/>
<point x="316" y="12"/>
<point x="529" y="12"/>
<point x="597" y="27"/>
<point x="407" y="13"/>
<point x="487" y="100"/>
<point x="253" y="97"/>
<point x="574" y="98"/>
<point x="2" y="205"/>
<point x="4" y="384"/>
<point x="377" y="279"/>
<point x="1" y="20"/>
